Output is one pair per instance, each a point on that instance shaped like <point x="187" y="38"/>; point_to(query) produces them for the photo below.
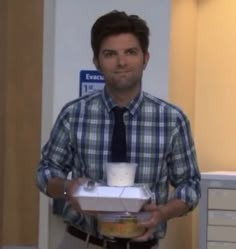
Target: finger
<point x="150" y="207"/>
<point x="82" y="180"/>
<point x="75" y="205"/>
<point x="150" y="223"/>
<point x="145" y="236"/>
<point x="91" y="213"/>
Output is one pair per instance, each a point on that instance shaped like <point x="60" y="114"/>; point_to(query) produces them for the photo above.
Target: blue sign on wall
<point x="90" y="80"/>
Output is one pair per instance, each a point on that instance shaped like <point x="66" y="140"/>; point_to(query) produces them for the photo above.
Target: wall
<point x="202" y="82"/>
<point x="216" y="85"/>
<point x="20" y="97"/>
<point x="182" y="67"/>
<point x="2" y="107"/>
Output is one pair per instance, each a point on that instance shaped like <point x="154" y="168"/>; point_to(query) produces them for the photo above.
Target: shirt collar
<point x="132" y="106"/>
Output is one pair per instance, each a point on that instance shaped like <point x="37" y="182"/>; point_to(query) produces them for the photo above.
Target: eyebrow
<point x="113" y="50"/>
<point x="108" y="50"/>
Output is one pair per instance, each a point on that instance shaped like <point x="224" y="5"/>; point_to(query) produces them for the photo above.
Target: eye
<point x="108" y="54"/>
<point x="132" y="51"/>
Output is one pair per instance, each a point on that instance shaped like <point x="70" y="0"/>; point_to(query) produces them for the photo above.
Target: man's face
<point x="121" y="61"/>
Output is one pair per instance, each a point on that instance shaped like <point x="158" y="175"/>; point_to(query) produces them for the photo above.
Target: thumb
<point x="150" y="207"/>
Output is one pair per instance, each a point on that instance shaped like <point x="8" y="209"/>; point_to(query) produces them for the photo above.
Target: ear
<point x="96" y="63"/>
<point x="146" y="59"/>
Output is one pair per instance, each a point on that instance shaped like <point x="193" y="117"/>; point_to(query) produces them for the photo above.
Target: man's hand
<point x="56" y="187"/>
<point x="159" y="214"/>
<point x="71" y="186"/>
<point x="156" y="218"/>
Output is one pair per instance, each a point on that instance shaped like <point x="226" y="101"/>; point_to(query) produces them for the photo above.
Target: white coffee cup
<point x="120" y="174"/>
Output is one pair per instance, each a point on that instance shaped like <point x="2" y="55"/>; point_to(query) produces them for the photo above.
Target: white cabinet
<point x="220" y="245"/>
<point x="217" y="211"/>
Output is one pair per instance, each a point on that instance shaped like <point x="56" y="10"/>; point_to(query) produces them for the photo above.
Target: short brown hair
<point x="118" y="22"/>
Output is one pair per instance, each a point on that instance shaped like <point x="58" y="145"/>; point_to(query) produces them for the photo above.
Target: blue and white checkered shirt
<point x="159" y="140"/>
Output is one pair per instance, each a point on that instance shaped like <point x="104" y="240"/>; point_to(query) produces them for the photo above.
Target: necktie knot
<point x="119" y="112"/>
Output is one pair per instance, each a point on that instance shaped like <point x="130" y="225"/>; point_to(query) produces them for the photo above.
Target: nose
<point x="121" y="60"/>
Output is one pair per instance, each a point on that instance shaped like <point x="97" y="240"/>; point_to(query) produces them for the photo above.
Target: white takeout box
<point x="113" y="199"/>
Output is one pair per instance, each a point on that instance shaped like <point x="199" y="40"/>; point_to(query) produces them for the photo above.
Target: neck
<point x="122" y="97"/>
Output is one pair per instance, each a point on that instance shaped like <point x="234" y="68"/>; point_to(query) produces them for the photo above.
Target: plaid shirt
<point x="158" y="139"/>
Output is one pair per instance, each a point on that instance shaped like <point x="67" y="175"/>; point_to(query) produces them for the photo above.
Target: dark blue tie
<point x="118" y="147"/>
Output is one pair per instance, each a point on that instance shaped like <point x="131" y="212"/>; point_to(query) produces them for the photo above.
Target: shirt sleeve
<point x="57" y="154"/>
<point x="182" y="164"/>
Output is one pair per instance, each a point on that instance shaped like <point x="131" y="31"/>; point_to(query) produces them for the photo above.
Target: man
<point x="157" y="137"/>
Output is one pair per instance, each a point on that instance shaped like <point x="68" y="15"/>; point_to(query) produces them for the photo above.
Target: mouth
<point x="122" y="72"/>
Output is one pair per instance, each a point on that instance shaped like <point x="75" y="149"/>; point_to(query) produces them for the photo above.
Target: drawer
<point x="221" y="245"/>
<point x="222" y="199"/>
<point x="224" y="218"/>
<point x="221" y="233"/>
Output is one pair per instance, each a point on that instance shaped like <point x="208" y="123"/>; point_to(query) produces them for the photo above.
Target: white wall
<point x="67" y="51"/>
